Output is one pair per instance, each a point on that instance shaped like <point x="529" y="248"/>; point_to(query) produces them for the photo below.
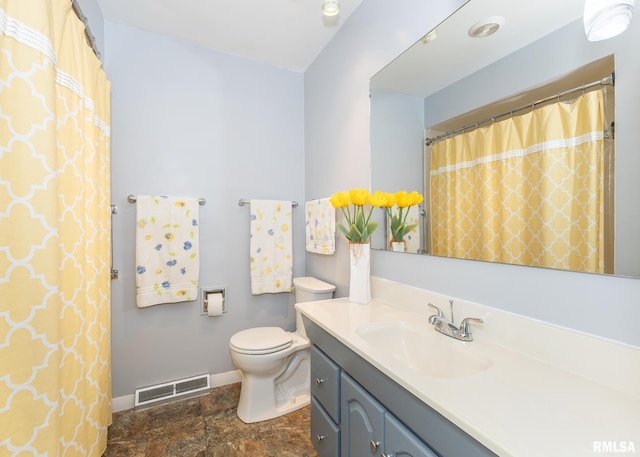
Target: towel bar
<point x="133" y="199"/>
<point x="243" y="202"/>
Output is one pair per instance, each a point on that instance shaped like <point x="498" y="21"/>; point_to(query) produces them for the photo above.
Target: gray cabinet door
<point x="399" y="441"/>
<point x="362" y="424"/>
<point x="325" y="434"/>
<point x="325" y="382"/>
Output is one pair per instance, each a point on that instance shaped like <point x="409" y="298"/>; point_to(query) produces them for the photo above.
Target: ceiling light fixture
<point x="606" y="18"/>
<point x="487" y="27"/>
<point x="330" y="7"/>
<point x="429" y="37"/>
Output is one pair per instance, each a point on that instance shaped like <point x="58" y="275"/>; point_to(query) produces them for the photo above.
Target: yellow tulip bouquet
<point x="398" y="220"/>
<point x="352" y="203"/>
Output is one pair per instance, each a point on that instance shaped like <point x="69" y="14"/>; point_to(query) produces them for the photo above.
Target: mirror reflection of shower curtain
<point x="526" y="190"/>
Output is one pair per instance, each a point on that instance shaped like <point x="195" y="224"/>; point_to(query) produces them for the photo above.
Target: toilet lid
<point x="261" y="340"/>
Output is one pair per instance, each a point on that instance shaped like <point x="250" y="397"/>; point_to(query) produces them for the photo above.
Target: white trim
<point x="123" y="403"/>
<point x="224" y="379"/>
<point x="538" y="147"/>
<point x="126" y="402"/>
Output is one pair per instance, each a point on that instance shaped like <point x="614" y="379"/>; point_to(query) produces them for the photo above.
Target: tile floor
<point x="207" y="426"/>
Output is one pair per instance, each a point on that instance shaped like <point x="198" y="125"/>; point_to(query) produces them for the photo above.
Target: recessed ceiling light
<point x="330" y="7"/>
<point x="487" y="27"/>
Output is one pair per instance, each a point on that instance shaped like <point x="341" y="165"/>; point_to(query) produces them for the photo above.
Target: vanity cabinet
<point x="325" y="383"/>
<point x="368" y="429"/>
<point x="400" y="442"/>
<point x="358" y="411"/>
<point x="325" y="404"/>
<point x="325" y="433"/>
<point x="348" y="421"/>
<point x="362" y="422"/>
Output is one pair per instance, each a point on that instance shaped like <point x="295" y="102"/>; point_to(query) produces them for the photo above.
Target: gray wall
<point x="194" y="122"/>
<point x="337" y="132"/>
<point x="397" y="136"/>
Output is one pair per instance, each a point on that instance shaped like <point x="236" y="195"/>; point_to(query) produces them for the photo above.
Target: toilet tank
<point x="312" y="289"/>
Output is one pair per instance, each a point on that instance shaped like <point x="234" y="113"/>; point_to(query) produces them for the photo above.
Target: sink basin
<point x="424" y="350"/>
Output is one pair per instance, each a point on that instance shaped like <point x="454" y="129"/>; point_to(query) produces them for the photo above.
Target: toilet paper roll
<point x="214" y="304"/>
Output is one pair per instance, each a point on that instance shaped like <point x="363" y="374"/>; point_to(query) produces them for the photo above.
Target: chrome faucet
<point x="446" y="327"/>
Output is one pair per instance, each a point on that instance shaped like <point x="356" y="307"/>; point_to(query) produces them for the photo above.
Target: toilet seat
<point x="261" y="340"/>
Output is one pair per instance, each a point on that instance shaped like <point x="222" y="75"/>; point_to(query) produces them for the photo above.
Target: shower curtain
<point x="55" y="221"/>
<point x="526" y="190"/>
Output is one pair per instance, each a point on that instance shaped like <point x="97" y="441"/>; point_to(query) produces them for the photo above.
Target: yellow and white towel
<point x="167" y="258"/>
<point x="320" y="227"/>
<point x="270" y="247"/>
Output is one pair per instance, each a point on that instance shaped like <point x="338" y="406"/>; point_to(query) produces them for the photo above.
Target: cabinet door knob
<point x="320" y="437"/>
<point x="319" y="381"/>
<point x="374" y="445"/>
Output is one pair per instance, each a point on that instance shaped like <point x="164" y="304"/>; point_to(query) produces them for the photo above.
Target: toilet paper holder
<point x="204" y="311"/>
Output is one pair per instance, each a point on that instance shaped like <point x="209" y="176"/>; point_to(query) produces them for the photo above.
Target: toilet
<point x="274" y="363"/>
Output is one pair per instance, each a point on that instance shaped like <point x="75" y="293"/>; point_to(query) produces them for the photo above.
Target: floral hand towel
<point x="167" y="258"/>
<point x="320" y="227"/>
<point x="270" y="247"/>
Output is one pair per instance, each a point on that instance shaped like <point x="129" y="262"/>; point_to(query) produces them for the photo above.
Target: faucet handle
<point x="464" y="325"/>
<point x="434" y="317"/>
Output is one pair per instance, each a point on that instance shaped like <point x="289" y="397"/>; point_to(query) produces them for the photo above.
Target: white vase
<point x="360" y="280"/>
<point x="398" y="246"/>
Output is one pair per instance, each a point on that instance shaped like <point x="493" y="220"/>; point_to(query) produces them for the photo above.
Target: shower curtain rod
<point x="91" y="40"/>
<point x="606" y="80"/>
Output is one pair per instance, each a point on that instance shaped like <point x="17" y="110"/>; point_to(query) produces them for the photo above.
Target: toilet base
<point x="264" y="397"/>
<point x="250" y="415"/>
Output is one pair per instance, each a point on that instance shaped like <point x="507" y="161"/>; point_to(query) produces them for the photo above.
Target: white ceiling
<point x="286" y="33"/>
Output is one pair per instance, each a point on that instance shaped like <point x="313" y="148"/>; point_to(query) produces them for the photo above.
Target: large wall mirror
<point x="458" y="90"/>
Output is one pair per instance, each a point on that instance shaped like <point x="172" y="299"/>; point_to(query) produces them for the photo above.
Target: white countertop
<point x="520" y="406"/>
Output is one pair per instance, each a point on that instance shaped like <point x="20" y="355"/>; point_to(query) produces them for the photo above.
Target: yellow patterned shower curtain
<point x="55" y="360"/>
<point x="526" y="190"/>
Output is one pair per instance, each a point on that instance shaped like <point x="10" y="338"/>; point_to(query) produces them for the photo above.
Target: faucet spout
<point x="435" y="317"/>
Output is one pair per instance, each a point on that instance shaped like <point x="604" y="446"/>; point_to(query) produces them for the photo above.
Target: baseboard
<point x="224" y="379"/>
<point x="123" y="403"/>
<point x="126" y="402"/>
